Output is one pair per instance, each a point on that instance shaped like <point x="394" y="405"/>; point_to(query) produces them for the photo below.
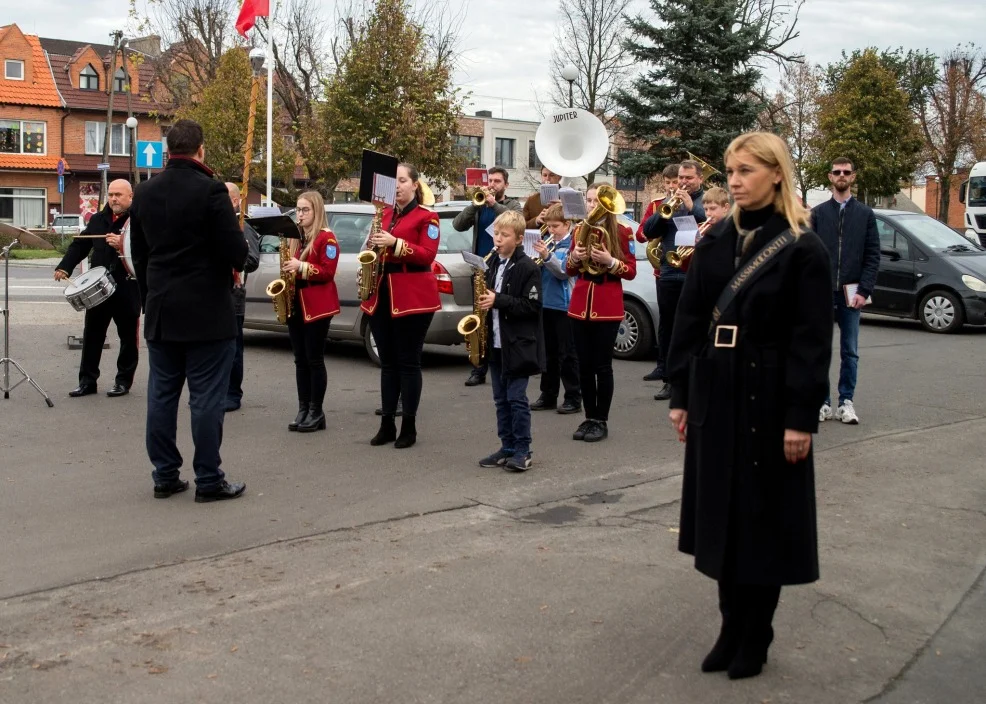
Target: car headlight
<point x="974" y="283"/>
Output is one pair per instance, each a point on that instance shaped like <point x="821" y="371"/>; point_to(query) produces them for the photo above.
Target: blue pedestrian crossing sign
<point x="150" y="155"/>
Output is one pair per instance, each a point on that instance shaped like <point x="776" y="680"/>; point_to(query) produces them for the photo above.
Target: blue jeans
<point x="513" y="411"/>
<point x="848" y="321"/>
<point x="205" y="365"/>
<point x="235" y="393"/>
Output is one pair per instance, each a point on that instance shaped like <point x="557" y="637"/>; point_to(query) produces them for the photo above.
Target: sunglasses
<point x="841" y="172"/>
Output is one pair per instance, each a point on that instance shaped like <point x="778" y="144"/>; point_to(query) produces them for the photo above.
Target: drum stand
<point x="7" y="362"/>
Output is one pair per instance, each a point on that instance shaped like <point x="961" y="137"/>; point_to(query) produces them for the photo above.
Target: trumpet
<point x="681" y="257"/>
<point x="548" y="242"/>
<point x="479" y="196"/>
<point x="669" y="206"/>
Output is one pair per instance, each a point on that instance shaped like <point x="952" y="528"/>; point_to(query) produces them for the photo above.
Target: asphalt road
<point x="358" y="574"/>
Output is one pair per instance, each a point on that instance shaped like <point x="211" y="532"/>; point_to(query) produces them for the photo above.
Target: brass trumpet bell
<point x="479" y="196"/>
<point x="669" y="206"/>
<point x="680" y="257"/>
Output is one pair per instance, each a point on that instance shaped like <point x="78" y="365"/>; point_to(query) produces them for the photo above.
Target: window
<point x="21" y="137"/>
<point x="471" y="148"/>
<point x="23" y="207"/>
<point x="532" y="157"/>
<point x="88" y="79"/>
<point x="504" y="153"/>
<point x="96" y="133"/>
<point x="119" y="80"/>
<point x="891" y="239"/>
<point x="13" y="70"/>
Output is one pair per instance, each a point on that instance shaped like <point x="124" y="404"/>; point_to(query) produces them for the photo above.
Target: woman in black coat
<point x="748" y="371"/>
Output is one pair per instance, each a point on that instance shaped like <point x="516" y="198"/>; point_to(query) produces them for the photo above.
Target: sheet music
<point x="572" y="203"/>
<point x="384" y="189"/>
<point x="262" y="211"/>
<point x="474" y="260"/>
<point x="531" y="238"/>
<point x="549" y="192"/>
<point x="687" y="230"/>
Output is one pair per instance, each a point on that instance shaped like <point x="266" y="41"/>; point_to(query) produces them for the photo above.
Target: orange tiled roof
<point x="42" y="91"/>
<point x="30" y="161"/>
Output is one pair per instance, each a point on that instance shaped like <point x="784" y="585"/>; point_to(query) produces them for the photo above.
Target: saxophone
<point x="473" y="326"/>
<point x="281" y="290"/>
<point x="370" y="261"/>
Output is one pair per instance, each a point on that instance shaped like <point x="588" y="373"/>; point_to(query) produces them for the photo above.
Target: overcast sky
<point x="506" y="44"/>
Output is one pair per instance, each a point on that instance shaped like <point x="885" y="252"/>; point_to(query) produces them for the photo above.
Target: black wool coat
<point x="186" y="241"/>
<point x="519" y="308"/>
<point x="746" y="513"/>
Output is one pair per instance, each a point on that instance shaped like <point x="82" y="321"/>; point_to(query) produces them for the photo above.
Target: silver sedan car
<point x="351" y="224"/>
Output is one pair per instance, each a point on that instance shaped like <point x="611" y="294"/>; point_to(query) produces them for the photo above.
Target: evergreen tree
<point x="700" y="89"/>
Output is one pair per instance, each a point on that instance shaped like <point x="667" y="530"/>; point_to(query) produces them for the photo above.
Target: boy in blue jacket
<point x="562" y="364"/>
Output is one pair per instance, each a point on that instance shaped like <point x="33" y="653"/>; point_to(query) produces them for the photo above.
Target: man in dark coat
<point x="186" y="243"/>
<point x="123" y="307"/>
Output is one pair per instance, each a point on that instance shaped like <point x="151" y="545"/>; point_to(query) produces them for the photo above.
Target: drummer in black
<point x="123" y="307"/>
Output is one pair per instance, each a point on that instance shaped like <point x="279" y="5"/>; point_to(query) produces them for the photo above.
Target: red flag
<point x="251" y="10"/>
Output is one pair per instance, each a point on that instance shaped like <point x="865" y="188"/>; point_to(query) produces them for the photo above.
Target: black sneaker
<point x="584" y="426"/>
<point x="163" y="491"/>
<point x="518" y="463"/>
<point x="597" y="432"/>
<point x="664" y="394"/>
<point x="476" y="379"/>
<point x="221" y="493"/>
<point x="544" y="404"/>
<point x="497" y="459"/>
<point x="569" y="407"/>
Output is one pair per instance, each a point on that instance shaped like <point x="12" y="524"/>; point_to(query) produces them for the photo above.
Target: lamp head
<point x="132" y="122"/>
<point x="257" y="58"/>
<point x="569" y="72"/>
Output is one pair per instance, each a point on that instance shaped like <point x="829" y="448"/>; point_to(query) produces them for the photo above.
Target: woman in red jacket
<point x="403" y="303"/>
<point x="316" y="301"/>
<point x="597" y="307"/>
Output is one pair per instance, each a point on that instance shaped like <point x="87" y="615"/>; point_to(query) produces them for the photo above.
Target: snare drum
<point x="126" y="255"/>
<point x="90" y="289"/>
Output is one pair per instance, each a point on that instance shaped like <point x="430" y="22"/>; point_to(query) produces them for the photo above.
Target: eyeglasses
<point x="304" y="210"/>
<point x="841" y="172"/>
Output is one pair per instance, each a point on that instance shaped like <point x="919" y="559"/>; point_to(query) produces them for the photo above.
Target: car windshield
<point x="977" y="192"/>
<point x="934" y="234"/>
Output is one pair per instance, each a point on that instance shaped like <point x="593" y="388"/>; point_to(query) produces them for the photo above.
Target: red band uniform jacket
<point x="408" y="284"/>
<point x="600" y="297"/>
<point x="317" y="294"/>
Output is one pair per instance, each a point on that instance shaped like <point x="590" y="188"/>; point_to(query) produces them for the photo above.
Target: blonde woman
<point x="316" y="301"/>
<point x="749" y="364"/>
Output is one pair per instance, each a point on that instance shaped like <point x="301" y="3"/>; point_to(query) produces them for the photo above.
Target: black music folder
<point x="377" y="177"/>
<point x="277" y="225"/>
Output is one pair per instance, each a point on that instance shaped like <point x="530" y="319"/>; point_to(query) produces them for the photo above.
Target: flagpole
<point x="270" y="100"/>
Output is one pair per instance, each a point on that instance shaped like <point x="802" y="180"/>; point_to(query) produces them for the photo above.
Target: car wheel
<point x="941" y="311"/>
<point x="635" y="335"/>
<point x="371" y="345"/>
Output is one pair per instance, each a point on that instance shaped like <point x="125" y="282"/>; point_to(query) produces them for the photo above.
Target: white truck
<point x="973" y="194"/>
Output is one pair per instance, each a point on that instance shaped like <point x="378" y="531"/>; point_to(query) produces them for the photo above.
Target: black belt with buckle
<point x="391" y="268"/>
<point x="725" y="336"/>
<point x="599" y="278"/>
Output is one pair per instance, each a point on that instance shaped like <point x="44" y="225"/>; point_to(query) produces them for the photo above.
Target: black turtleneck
<point x="765" y="225"/>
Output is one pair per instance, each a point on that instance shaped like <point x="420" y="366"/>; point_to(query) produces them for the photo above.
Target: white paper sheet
<point x="572" y="203"/>
<point x="549" y="192"/>
<point x="531" y="238"/>
<point x="687" y="230"/>
<point x="384" y="189"/>
<point x="475" y="261"/>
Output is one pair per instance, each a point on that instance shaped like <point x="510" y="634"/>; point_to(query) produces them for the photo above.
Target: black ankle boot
<point x="300" y="418"/>
<point x="758" y="633"/>
<point x="409" y="433"/>
<point x="730" y="634"/>
<point x="387" y="432"/>
<point x="315" y="420"/>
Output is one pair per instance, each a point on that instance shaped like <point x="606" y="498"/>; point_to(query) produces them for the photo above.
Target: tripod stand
<point x="7" y="362"/>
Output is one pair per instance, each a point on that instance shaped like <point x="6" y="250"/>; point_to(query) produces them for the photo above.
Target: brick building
<point x="956" y="210"/>
<point x="31" y="113"/>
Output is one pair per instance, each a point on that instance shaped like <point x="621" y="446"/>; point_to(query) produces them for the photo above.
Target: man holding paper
<point x="536" y="205"/>
<point x="672" y="280"/>
<point x="480" y="219"/>
<point x="848" y="229"/>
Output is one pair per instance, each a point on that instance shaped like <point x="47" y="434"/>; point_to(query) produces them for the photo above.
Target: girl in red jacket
<point x="403" y="303"/>
<point x="597" y="307"/>
<point x="316" y="301"/>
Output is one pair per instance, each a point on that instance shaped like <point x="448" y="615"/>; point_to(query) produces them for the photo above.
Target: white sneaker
<point x="847" y="414"/>
<point x="825" y="413"/>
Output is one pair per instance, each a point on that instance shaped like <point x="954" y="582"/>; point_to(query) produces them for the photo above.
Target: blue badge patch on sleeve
<point x="433" y="231"/>
<point x="331" y="251"/>
<point x="633" y="247"/>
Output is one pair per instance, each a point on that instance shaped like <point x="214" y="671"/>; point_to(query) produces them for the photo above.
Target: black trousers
<point x="594" y="343"/>
<point x="562" y="366"/>
<point x="668" y="293"/>
<point x="123" y="308"/>
<point x="660" y="354"/>
<point x="399" y="345"/>
<point x="308" y="345"/>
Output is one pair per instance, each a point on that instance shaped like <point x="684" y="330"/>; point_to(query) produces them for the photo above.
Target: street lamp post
<point x="570" y="73"/>
<point x="132" y="136"/>
<point x="257" y="57"/>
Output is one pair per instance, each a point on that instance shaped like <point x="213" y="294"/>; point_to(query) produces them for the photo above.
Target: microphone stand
<point x="7" y="362"/>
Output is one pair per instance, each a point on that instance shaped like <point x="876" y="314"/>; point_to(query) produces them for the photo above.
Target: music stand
<point x="7" y="362"/>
